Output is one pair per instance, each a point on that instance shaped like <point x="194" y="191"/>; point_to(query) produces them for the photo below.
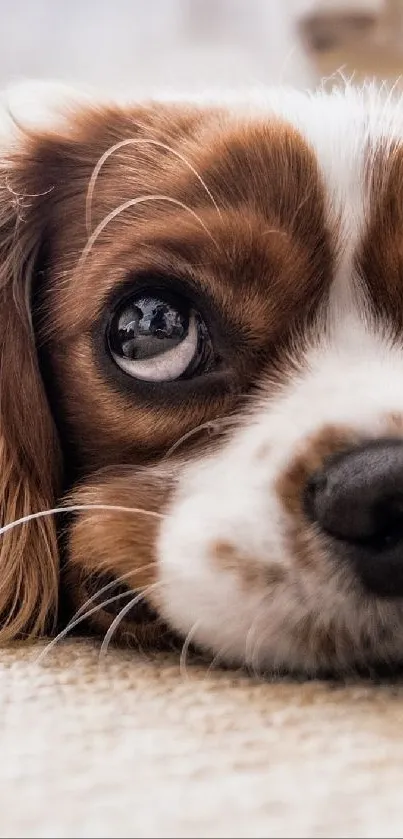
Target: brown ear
<point x="29" y="451"/>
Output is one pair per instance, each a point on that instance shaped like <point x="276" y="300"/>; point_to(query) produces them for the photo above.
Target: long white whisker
<point x="76" y="508"/>
<point x="133" y="202"/>
<point x="216" y="659"/>
<point x="215" y="425"/>
<point x="72" y="624"/>
<point x="185" y="649"/>
<point x="115" y="623"/>
<point x="213" y="662"/>
<point x="110" y="585"/>
<point x="252" y="650"/>
<point x="209" y="424"/>
<point x="250" y="636"/>
<point x="137" y="142"/>
<point x="254" y="660"/>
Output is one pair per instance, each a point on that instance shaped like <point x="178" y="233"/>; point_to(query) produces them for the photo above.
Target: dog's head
<point x="201" y="341"/>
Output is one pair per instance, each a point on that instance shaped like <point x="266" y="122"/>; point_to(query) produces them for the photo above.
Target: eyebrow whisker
<point x="133" y="202"/>
<point x="137" y="142"/>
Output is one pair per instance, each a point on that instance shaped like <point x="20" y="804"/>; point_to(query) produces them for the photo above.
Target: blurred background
<point x="143" y="45"/>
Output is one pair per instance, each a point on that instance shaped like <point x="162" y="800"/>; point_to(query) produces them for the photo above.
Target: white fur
<point x="351" y="376"/>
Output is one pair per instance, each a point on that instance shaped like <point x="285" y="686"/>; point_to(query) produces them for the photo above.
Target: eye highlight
<point x="157" y="337"/>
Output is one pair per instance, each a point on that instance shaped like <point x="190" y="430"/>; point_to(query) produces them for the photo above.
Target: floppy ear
<point x="30" y="462"/>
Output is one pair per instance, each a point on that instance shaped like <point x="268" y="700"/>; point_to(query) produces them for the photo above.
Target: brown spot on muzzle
<point x="252" y="573"/>
<point x="309" y="458"/>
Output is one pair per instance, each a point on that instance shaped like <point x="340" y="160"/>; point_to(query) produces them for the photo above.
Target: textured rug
<point x="135" y="747"/>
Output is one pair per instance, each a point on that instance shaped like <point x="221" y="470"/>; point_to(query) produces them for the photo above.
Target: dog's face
<point x="202" y="336"/>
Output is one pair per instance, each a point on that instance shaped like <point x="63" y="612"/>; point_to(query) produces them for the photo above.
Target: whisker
<point x="79" y="617"/>
<point x="77" y="508"/>
<point x="115" y="623"/>
<point x="213" y="425"/>
<point x="133" y="202"/>
<point x="252" y="650"/>
<point x="250" y="636"/>
<point x="216" y="659"/>
<point x="24" y="195"/>
<point x="185" y="649"/>
<point x="256" y="666"/>
<point x="273" y="231"/>
<point x="72" y="624"/>
<point x="137" y="142"/>
<point x="114" y="582"/>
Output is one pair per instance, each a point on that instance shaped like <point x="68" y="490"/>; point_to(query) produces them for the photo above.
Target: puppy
<point x="201" y="358"/>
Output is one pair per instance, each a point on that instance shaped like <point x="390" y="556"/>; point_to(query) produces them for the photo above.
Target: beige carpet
<point x="135" y="748"/>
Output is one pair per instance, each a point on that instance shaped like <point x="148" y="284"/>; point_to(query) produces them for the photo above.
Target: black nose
<point x="357" y="499"/>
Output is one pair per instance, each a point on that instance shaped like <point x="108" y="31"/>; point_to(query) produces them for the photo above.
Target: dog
<point x="201" y="371"/>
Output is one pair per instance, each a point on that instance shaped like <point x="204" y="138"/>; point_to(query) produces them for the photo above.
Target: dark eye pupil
<point x="148" y="326"/>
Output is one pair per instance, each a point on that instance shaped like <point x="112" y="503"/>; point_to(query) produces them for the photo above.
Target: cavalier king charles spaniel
<point x="201" y="369"/>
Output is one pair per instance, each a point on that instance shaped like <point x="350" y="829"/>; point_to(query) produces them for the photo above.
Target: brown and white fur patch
<point x="278" y="216"/>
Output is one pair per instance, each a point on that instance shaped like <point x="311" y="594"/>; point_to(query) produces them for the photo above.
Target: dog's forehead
<point x="317" y="166"/>
<point x="248" y="147"/>
<point x="218" y="186"/>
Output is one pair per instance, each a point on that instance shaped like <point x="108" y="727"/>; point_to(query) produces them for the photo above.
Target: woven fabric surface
<point x="133" y="747"/>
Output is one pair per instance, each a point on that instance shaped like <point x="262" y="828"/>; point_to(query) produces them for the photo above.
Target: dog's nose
<point x="357" y="499"/>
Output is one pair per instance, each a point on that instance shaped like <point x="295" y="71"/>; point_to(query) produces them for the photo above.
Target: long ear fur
<point x="29" y="452"/>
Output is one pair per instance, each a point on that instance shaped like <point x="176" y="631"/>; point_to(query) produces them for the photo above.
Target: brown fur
<point x="263" y="242"/>
<point x="124" y="541"/>
<point x="252" y="573"/>
<point x="291" y="485"/>
<point x="380" y="258"/>
<point x="29" y="452"/>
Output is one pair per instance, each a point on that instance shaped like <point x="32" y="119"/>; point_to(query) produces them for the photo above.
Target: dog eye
<point x="159" y="338"/>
